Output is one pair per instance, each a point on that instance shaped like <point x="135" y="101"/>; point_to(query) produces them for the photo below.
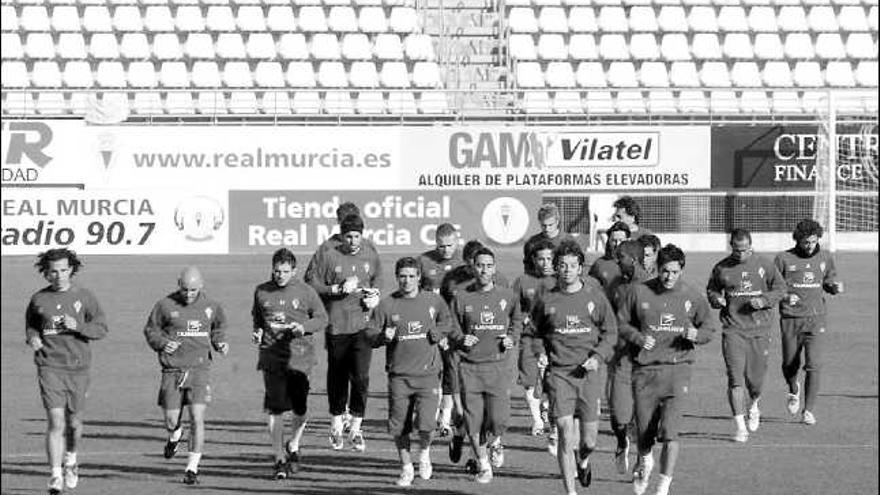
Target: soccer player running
<point x="548" y="219"/>
<point x="809" y="273"/>
<point x="575" y="330"/>
<point x="665" y="318"/>
<point x="605" y="269"/>
<point x="651" y="244"/>
<point x="630" y="256"/>
<point x="745" y="287"/>
<point x="627" y="210"/>
<point x="60" y="321"/>
<point x="286" y="314"/>
<point x="488" y="325"/>
<point x="411" y="324"/>
<point x="529" y="287"/>
<point x="348" y="278"/>
<point x="184" y="328"/>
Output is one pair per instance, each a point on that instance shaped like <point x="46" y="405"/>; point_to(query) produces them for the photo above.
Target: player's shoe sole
<point x="55" y="485"/>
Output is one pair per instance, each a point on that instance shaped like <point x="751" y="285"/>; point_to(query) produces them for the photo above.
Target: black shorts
<point x="286" y="390"/>
<point x="181" y="388"/>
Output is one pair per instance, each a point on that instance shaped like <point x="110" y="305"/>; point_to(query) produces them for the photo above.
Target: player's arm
<point x="515" y="327"/>
<point x="457" y="329"/>
<point x="443" y="323"/>
<point x="830" y="284"/>
<point x="776" y="286"/>
<point x="376" y="278"/>
<point x="375" y="330"/>
<point x="218" y="330"/>
<point x="33" y="327"/>
<point x="312" y="267"/>
<point x="703" y="322"/>
<point x="607" y="323"/>
<point x="715" y="289"/>
<point x="154" y="331"/>
<point x="628" y="326"/>
<point x="322" y="279"/>
<point x="318" y="319"/>
<point x="94" y="325"/>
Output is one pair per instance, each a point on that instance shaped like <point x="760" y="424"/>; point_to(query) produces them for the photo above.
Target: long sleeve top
<point x="273" y="306"/>
<point x="346" y="313"/>
<point x="489" y="315"/>
<point x="64" y="349"/>
<point x="420" y="322"/>
<point x="530" y="288"/>
<point x="737" y="282"/>
<point x="434" y="268"/>
<point x="808" y="276"/>
<point x="649" y="309"/>
<point x="573" y="326"/>
<point x="200" y="327"/>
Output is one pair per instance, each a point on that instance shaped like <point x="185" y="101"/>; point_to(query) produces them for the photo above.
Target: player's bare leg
<point x="566" y="450"/>
<point x="276" y="435"/>
<point x="534" y="404"/>
<point x="735" y="397"/>
<point x="589" y="434"/>
<point x="196" y="442"/>
<point x="407" y="471"/>
<point x="55" y="427"/>
<point x="174" y="427"/>
<point x="668" y="456"/>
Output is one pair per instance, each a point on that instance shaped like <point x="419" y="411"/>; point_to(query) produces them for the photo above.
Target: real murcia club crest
<point x="505" y="220"/>
<point x="503" y="304"/>
<point x="295" y="303"/>
<point x="687" y="306"/>
<point x="590" y="307"/>
<point x="209" y="312"/>
<point x="822" y="267"/>
<point x="432" y="312"/>
<point x="199" y="217"/>
<point x="761" y="272"/>
<point x="77" y="306"/>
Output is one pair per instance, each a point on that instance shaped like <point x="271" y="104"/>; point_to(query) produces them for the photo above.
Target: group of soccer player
<point x="624" y="329"/>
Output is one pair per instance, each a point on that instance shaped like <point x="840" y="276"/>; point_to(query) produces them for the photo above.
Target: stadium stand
<point x="375" y="57"/>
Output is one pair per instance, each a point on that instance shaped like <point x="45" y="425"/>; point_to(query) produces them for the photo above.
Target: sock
<point x="663" y="483"/>
<point x="56" y="472"/>
<point x="336" y="423"/>
<point x="176" y="434"/>
<point x="408" y="467"/>
<point x="484" y="464"/>
<point x="425" y="455"/>
<point x="192" y="464"/>
<point x="754" y="404"/>
<point x="740" y="421"/>
<point x="299" y="426"/>
<point x="534" y="405"/>
<point x="69" y="458"/>
<point x="446" y="415"/>
<point x="356" y="423"/>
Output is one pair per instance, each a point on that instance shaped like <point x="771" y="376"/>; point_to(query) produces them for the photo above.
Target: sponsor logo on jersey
<point x="395" y="318"/>
<point x="746" y="285"/>
<point x="530" y="292"/>
<point x="414" y="326"/>
<point x="809" y="277"/>
<point x="366" y="267"/>
<point x="487" y="317"/>
<point x="792" y="268"/>
<point x="175" y="314"/>
<point x="294" y="303"/>
<point x="337" y="269"/>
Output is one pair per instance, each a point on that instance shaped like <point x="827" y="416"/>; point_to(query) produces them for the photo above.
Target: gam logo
<point x="199" y="217"/>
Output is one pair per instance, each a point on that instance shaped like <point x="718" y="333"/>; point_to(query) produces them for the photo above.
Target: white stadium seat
<point x="230" y="46"/>
<point x="342" y="19"/>
<point x="793" y="18"/>
<point x="553" y="20"/>
<point x="394" y="75"/>
<point x="251" y="18"/>
<point x="706" y="47"/>
<point x="103" y="46"/>
<point x="838" y="73"/>
<point x="292" y="46"/>
<point x="387" y="46"/>
<point x="189" y="19"/>
<point x="536" y="102"/>
<point x="135" y="46"/>
<point x="402" y="103"/>
<point x="583" y="47"/>
<point x="433" y="102"/>
<point x="552" y="47"/>
<point x="15" y="74"/>
<point x="127" y="18"/>
<point x="65" y="18"/>
<point x="762" y="19"/>
<point x="356" y="46"/>
<point x="70" y="46"/>
<point x="642" y="18"/>
<point x="403" y="20"/>
<point x="370" y="103"/>
<point x="166" y="46"/>
<point x="111" y="74"/>
<point x="622" y="75"/>
<point x="372" y="20"/>
<point x="529" y="75"/>
<point x="613" y="19"/>
<point x="808" y="74"/>
<point x="418" y="46"/>
<point x="325" y="46"/>
<point x="591" y="75"/>
<point x="199" y="46"/>
<point x="768" y="46"/>
<point x="269" y="75"/>
<point x="522" y="47"/>
<point x="332" y="75"/>
<point x="777" y="74"/>
<point x="830" y="46"/>
<point x="306" y="102"/>
<point x="799" y="46"/>
<point x="45" y="74"/>
<point x="673" y="19"/>
<point x="363" y="75"/>
<point x="715" y="75"/>
<point x="301" y="75"/>
<point x="426" y="75"/>
<point x="653" y="75"/>
<point x="220" y="18"/>
<point x="582" y="20"/>
<point x="567" y="102"/>
<point x="522" y="20"/>
<point x="142" y="75"/>
<point x="280" y="18"/>
<point x="158" y="18"/>
<point x="559" y="75"/>
<point x="643" y="46"/>
<point x="39" y="45"/>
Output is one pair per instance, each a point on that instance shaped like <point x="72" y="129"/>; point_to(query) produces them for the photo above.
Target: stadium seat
<point x="653" y="75"/>
<point x="10" y="45"/>
<point x="672" y="19"/>
<point x="583" y="47"/>
<point x="275" y="103"/>
<point x="251" y="18"/>
<point x="65" y="18"/>
<point x="78" y="74"/>
<point x="199" y="46"/>
<point x="553" y="20"/>
<point x="755" y="102"/>
<point x="427" y="75"/>
<point x="325" y="46"/>
<point x="830" y="46"/>
<point x="522" y="20"/>
<point x="34" y="18"/>
<point x="582" y="20"/>
<point x="418" y="46"/>
<point x="179" y="103"/>
<point x="292" y="46"/>
<point x="142" y="75"/>
<point x="8" y="18"/>
<point x="19" y="103"/>
<point x="206" y="74"/>
<point x="807" y="74"/>
<point x="866" y="73"/>
<point x="613" y="47"/>
<point x="529" y="75"/>
<point x="219" y="18"/>
<point x="622" y="75"/>
<point x="370" y="103"/>
<point x="745" y="75"/>
<point x="242" y="103"/>
<point x="237" y="75"/>
<point x="46" y="74"/>
<point x="872" y="19"/>
<point x="166" y="46"/>
<point x="630" y="102"/>
<point x="372" y="20"/>
<point x="762" y="19"/>
<point x="732" y="18"/>
<point x="822" y="19"/>
<point x="401" y="103"/>
<point x="613" y="20"/>
<point x="599" y="103"/>
<point x="70" y="46"/>
<point x="268" y="74"/>
<point x="189" y="19"/>
<point x="127" y="18"/>
<point x="702" y="19"/>
<point x="210" y="103"/>
<point x="559" y="75"/>
<point x="838" y="73"/>
<point x="548" y="3"/>
<point x="642" y="19"/>
<point x="738" y="46"/>
<point x="777" y="74"/>
<point x="768" y="46"/>
<point x="301" y="75"/>
<point x="536" y="102"/>
<point x="684" y="75"/>
<point x="793" y="18"/>
<point x="403" y="20"/>
<point x="799" y="46"/>
<point x="852" y="18"/>
<point x="861" y="46"/>
<point x="111" y="74"/>
<point x="157" y="18"/>
<point x="230" y="46"/>
<point x="715" y="75"/>
<point x="39" y="45"/>
<point x="280" y="18"/>
<point x="591" y="75"/>
<point x="706" y="47"/>
<point x="785" y="102"/>
<point x="174" y="75"/>
<point x="311" y="19"/>
<point x="552" y="47"/>
<point x="363" y="75"/>
<point x="723" y="102"/>
<point x="356" y="46"/>
<point x="692" y="102"/>
<point x="567" y="102"/>
<point x="342" y="19"/>
<point x="331" y="75"/>
<point x="517" y="3"/>
<point x="394" y="75"/>
<point x="387" y="46"/>
<point x="661" y="103"/>
<point x="521" y="47"/>
<point x="433" y="102"/>
<point x="643" y="46"/>
<point x="50" y="103"/>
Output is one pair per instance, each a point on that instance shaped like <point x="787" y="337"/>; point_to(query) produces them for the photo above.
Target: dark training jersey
<point x="572" y="326"/>
<point x="199" y="327"/>
<point x="529" y="289"/>
<point x="738" y="282"/>
<point x="332" y="243"/>
<point x="346" y="313"/>
<point x="810" y="277"/>
<point x="434" y="268"/>
<point x="489" y="315"/>
<point x="295" y="302"/>
<point x="462" y="276"/>
<point x="420" y="323"/>
<point x="649" y="309"/>
<point x="64" y="349"/>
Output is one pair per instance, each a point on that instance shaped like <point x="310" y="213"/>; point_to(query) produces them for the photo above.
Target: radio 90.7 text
<point x="46" y="233"/>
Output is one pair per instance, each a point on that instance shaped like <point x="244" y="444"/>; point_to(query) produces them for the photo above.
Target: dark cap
<point x="351" y="223"/>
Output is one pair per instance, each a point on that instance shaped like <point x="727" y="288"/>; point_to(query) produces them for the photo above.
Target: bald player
<point x="185" y="328"/>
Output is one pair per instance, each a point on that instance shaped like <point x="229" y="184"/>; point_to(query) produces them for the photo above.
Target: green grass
<point x="121" y="452"/>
